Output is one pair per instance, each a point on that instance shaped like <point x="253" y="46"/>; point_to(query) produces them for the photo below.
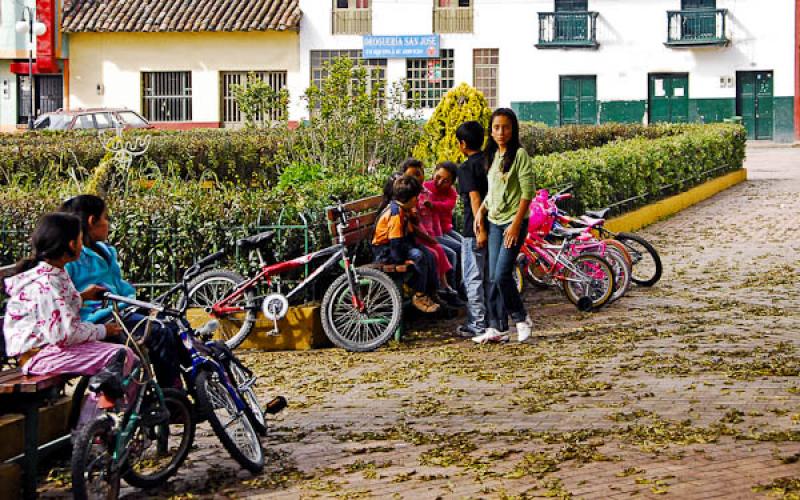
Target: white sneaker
<point x="490" y="335"/>
<point x="524" y="329"/>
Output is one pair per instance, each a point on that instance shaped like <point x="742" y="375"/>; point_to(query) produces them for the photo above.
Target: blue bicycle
<point x="211" y="374"/>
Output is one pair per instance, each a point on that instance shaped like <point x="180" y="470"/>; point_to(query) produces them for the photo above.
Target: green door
<point x="578" y="100"/>
<point x="570" y="25"/>
<point x="668" y="98"/>
<point x="754" y="104"/>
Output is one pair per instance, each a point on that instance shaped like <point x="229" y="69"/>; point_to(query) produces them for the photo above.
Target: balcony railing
<point x="567" y="29"/>
<point x="352" y="21"/>
<point x="452" y="19"/>
<point x="688" y="28"/>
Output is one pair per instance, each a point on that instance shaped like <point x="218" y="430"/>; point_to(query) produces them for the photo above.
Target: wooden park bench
<point x="27" y="396"/>
<point x="363" y="214"/>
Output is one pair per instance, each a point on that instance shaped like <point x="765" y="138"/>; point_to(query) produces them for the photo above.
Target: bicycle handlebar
<point x="142" y="304"/>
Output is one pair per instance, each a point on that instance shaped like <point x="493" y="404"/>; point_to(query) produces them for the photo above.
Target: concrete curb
<point x="674" y="204"/>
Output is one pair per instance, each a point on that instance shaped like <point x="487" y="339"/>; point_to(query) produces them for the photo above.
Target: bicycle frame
<point x="555" y="261"/>
<point x="128" y="422"/>
<point x="336" y="253"/>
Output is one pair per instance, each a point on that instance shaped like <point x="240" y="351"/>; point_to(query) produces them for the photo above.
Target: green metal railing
<point x="158" y="271"/>
<point x="697" y="27"/>
<point x="567" y="29"/>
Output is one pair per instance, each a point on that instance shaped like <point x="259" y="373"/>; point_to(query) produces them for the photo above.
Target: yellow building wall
<point x="116" y="60"/>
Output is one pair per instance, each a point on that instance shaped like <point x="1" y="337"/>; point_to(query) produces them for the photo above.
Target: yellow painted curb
<point x="674" y="204"/>
<point x="300" y="330"/>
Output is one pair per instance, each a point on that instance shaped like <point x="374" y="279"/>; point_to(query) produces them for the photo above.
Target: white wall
<point x="116" y="60"/>
<point x="631" y="34"/>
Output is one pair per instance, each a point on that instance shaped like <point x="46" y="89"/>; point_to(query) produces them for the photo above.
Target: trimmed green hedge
<point x="161" y="230"/>
<point x="643" y="168"/>
<point x="230" y="156"/>
<point x="249" y="156"/>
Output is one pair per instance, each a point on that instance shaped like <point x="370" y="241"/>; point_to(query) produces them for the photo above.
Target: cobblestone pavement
<point x="685" y="390"/>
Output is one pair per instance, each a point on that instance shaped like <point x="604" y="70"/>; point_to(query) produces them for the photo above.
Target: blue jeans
<point x="473" y="265"/>
<point x="503" y="299"/>
<point x="451" y="243"/>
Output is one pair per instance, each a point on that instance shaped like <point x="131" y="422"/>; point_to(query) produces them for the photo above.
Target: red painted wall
<point x="45" y="44"/>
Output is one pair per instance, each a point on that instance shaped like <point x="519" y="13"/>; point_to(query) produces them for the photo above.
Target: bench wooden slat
<point x="356" y="225"/>
<point x="13" y="381"/>
<point x="362" y="205"/>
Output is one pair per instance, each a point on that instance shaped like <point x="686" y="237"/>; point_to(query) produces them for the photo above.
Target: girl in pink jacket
<point x="43" y="312"/>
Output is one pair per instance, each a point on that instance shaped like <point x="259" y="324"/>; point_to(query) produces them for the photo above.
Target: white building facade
<point x="579" y="61"/>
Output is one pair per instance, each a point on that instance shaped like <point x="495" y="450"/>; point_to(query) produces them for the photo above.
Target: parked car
<point x="99" y="118"/>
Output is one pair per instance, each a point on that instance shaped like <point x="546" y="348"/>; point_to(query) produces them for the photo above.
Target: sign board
<point x="401" y="46"/>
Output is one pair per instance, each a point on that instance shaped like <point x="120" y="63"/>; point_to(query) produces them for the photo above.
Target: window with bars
<point x="485" y="63"/>
<point x="231" y="114"/>
<point x="320" y="59"/>
<point x="430" y="79"/>
<point x="351" y="17"/>
<point x="167" y="96"/>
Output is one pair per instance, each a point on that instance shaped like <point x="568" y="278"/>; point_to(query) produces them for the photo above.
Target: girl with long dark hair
<point x="511" y="188"/>
<point x="98" y="265"/>
<point x="42" y="321"/>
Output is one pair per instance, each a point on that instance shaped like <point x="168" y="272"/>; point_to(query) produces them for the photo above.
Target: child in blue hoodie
<point x="98" y="265"/>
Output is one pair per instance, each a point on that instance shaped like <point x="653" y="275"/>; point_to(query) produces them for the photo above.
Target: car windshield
<point x="52" y="122"/>
<point x="132" y="119"/>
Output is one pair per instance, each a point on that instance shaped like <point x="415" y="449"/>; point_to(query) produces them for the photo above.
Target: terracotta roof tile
<point x="180" y="15"/>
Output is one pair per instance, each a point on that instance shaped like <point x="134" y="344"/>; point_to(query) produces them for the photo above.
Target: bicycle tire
<point x="252" y="409"/>
<point x="232" y="331"/>
<point x="213" y="395"/>
<point x="89" y="467"/>
<point x="77" y="401"/>
<point x="599" y="265"/>
<point x="381" y="295"/>
<point x="649" y="278"/>
<point x="180" y="414"/>
<point x="622" y="272"/>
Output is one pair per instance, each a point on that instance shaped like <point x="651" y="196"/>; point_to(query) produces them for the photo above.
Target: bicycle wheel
<point x="646" y="261"/>
<point x="244" y="384"/>
<point x="78" y="396"/>
<point x="589" y="276"/>
<point x="622" y="272"/>
<point x="92" y="461"/>
<point x="157" y="450"/>
<point x="209" y="288"/>
<point x="231" y="426"/>
<point x="362" y="330"/>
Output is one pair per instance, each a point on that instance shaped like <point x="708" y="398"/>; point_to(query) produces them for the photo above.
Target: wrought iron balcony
<point x="452" y="19"/>
<point x="694" y="28"/>
<point x="567" y="29"/>
<point x="352" y="21"/>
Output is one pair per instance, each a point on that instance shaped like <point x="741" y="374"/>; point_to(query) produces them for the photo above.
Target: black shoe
<point x="467" y="331"/>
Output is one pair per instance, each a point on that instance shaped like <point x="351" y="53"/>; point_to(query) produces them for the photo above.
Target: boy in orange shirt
<point x="393" y="243"/>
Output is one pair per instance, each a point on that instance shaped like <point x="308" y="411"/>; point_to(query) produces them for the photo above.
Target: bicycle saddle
<point x="598" y="214"/>
<point x="567" y="233"/>
<point x="256" y="241"/>
<point x="109" y="379"/>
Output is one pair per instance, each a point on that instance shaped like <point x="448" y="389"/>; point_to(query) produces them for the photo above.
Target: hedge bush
<point x="644" y="168"/>
<point x="162" y="229"/>
<point x="230" y="156"/>
<point x="258" y="156"/>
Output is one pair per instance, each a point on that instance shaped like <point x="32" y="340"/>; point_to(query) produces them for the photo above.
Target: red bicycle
<point x="361" y="309"/>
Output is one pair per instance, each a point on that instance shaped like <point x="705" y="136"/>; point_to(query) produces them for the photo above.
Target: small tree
<point x="461" y="104"/>
<point x="259" y="103"/>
